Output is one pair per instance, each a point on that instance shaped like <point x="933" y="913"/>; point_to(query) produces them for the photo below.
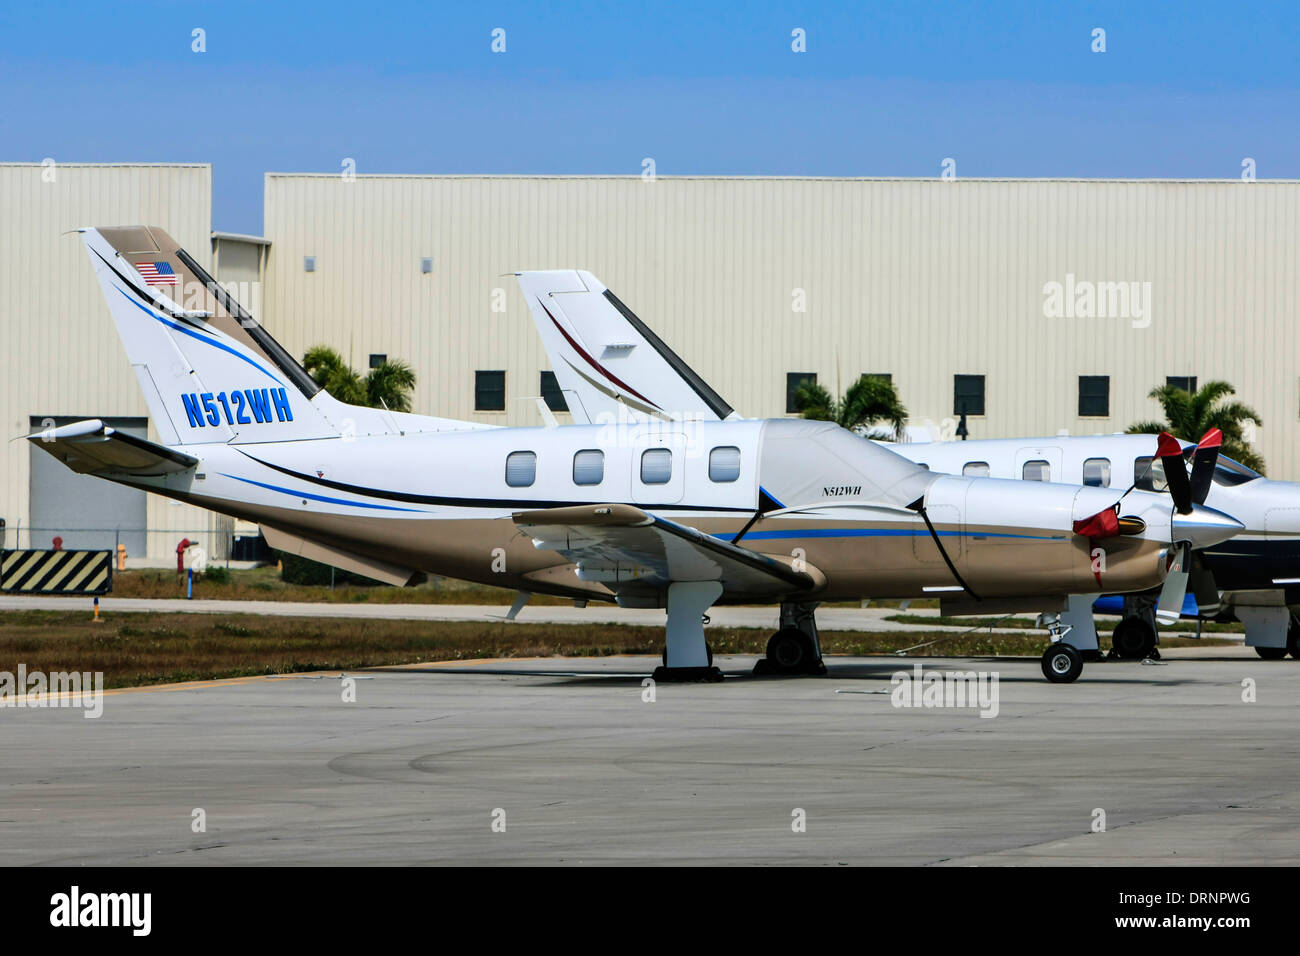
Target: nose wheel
<point x="1062" y="664"/>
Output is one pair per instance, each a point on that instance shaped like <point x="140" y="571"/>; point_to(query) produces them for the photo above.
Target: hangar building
<point x="1035" y="305"/>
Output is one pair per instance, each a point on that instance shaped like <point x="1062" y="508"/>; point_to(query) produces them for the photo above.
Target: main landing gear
<point x="1135" y="637"/>
<point x="687" y="656"/>
<point x="1277" y="653"/>
<point x="796" y="648"/>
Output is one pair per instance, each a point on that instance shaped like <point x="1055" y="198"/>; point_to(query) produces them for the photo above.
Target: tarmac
<point x="828" y="618"/>
<point x="564" y="761"/>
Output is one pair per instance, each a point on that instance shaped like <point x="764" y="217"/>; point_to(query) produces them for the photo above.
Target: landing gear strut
<point x="1062" y="662"/>
<point x="686" y="655"/>
<point x="796" y="648"/>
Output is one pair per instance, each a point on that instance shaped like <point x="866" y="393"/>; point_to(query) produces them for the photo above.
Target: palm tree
<point x="389" y="384"/>
<point x="1189" y="416"/>
<point x="869" y="400"/>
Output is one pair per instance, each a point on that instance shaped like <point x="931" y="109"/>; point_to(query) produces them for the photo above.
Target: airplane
<point x="786" y="512"/>
<point x="611" y="366"/>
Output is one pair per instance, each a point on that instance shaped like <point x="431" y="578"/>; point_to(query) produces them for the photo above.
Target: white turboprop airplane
<point x="782" y="511"/>
<point x="612" y="367"/>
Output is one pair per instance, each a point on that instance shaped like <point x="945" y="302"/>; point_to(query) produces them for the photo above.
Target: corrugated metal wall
<point x="923" y="279"/>
<point x="60" y="352"/>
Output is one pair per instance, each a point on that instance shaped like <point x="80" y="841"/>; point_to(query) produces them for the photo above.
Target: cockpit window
<point x="1229" y="472"/>
<point x="1149" y="474"/>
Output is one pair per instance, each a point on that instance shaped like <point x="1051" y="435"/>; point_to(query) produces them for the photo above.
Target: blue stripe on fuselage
<point x="327" y="500"/>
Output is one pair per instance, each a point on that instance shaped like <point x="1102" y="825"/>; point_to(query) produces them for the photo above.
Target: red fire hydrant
<point x="180" y="555"/>
<point x="58" y="543"/>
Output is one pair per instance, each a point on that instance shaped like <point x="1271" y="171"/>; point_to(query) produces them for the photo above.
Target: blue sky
<point x="892" y="88"/>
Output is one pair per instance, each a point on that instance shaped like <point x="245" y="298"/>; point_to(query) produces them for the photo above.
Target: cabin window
<point x="521" y="468"/>
<point x="1096" y="472"/>
<point x="589" y="467"/>
<point x="1149" y="474"/>
<point x="724" y="463"/>
<point x="656" y="466"/>
<point x="975" y="469"/>
<point x="1036" y="470"/>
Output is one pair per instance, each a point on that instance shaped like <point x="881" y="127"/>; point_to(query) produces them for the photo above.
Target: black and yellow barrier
<point x="56" y="572"/>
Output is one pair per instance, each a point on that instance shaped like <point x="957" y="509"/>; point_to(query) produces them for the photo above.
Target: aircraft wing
<point x="628" y="549"/>
<point x="91" y="447"/>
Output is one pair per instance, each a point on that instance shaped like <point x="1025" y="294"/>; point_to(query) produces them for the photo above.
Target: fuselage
<point x="1264" y="556"/>
<point x="441" y="503"/>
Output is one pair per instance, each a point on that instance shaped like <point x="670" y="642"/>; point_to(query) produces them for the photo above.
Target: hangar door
<point x="86" y="512"/>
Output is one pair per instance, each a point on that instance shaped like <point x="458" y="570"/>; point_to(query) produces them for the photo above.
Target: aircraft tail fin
<point x="606" y="360"/>
<point x="208" y="371"/>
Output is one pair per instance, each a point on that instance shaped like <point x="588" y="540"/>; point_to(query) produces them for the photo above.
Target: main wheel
<point x="1133" y="639"/>
<point x="789" y="651"/>
<point x="1273" y="653"/>
<point x="1062" y="664"/>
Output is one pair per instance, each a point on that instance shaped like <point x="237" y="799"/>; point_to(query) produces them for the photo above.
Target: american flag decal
<point x="157" y="273"/>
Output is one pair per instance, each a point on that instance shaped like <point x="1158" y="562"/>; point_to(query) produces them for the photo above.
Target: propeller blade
<point x="1204" y="587"/>
<point x="1204" y="459"/>
<point x="1170" y="453"/>
<point x="1170" y="605"/>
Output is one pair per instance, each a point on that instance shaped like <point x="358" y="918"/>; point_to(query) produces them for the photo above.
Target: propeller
<point x="1204" y="459"/>
<point x="1186" y="492"/>
<point x="1200" y="530"/>
<point x="1170" y="453"/>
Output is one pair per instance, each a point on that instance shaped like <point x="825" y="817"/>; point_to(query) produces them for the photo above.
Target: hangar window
<point x="656" y="466"/>
<point x="1096" y="472"/>
<point x="975" y="469"/>
<point x="1149" y="474"/>
<point x="521" y="468"/>
<point x="724" y="463"/>
<point x="968" y="394"/>
<point x="551" y="393"/>
<point x="1186" y="382"/>
<point x="1094" y="396"/>
<point x="792" y="382"/>
<point x="1037" y="470"/>
<point x="490" y="391"/>
<point x="589" y="467"/>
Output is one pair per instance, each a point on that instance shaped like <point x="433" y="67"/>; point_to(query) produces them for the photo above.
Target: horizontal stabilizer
<point x="93" y="448"/>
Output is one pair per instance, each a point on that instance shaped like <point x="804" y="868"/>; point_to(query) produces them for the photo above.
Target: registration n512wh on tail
<point x="655" y="514"/>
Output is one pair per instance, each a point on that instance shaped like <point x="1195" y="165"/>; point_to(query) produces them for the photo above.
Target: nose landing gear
<point x="1062" y="664"/>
